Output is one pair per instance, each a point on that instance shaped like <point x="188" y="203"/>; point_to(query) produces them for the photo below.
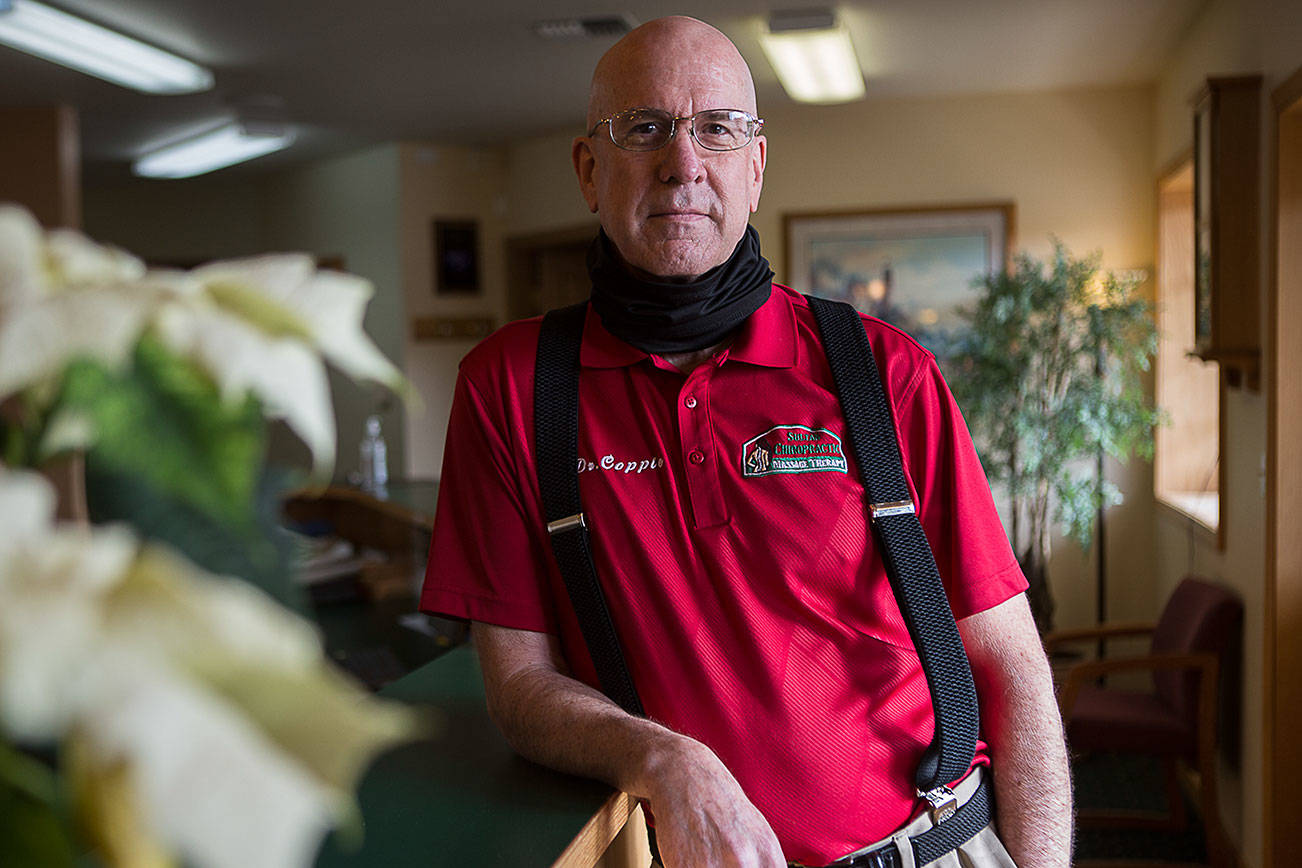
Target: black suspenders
<point x="905" y="551"/>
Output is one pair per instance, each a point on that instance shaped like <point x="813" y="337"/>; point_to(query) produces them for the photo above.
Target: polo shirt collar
<point x="767" y="338"/>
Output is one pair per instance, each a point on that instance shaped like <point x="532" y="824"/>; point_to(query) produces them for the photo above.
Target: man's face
<point x="678" y="211"/>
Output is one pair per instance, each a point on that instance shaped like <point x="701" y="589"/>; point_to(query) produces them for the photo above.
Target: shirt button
<point x="696" y="456"/>
<point x="690" y="402"/>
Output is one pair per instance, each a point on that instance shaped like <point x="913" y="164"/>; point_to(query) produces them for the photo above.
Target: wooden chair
<point x="1193" y="660"/>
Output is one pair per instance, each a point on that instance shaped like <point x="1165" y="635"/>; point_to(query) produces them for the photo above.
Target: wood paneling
<point x="1283" y="750"/>
<point x="40" y="163"/>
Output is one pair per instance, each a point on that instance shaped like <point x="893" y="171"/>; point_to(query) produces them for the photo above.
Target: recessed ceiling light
<point x="74" y="42"/>
<point x="813" y="56"/>
<point x="590" y="27"/>
<point x="226" y="145"/>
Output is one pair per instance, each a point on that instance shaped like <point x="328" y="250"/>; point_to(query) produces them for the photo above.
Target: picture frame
<point x="1203" y="271"/>
<point x="915" y="268"/>
<point x="456" y="257"/>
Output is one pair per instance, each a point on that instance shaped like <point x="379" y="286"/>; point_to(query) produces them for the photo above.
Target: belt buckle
<point x="943" y="803"/>
<point x="879" y="858"/>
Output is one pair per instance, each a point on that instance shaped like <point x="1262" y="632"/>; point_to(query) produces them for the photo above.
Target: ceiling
<point x="349" y="74"/>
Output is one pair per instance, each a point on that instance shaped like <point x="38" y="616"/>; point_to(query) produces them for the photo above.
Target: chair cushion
<point x="1126" y="721"/>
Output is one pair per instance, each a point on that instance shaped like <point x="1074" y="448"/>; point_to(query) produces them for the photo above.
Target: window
<point x="1187" y="465"/>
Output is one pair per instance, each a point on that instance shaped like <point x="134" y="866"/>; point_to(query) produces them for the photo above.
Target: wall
<point x="1076" y="163"/>
<point x="1232" y="37"/>
<point x="346" y="207"/>
<point x="441" y="182"/>
<point x="209" y="217"/>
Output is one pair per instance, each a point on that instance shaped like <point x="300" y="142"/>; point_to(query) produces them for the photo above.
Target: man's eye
<point x="645" y="128"/>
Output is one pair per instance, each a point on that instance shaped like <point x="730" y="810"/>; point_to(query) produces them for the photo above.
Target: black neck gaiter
<point x="663" y="317"/>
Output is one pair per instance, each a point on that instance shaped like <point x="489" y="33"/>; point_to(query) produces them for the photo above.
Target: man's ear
<point x="759" y="157"/>
<point x="585" y="166"/>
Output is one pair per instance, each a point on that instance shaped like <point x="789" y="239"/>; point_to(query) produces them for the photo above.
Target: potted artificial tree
<point x="1049" y="376"/>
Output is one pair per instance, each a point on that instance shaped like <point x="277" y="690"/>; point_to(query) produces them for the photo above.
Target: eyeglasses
<point x="647" y="129"/>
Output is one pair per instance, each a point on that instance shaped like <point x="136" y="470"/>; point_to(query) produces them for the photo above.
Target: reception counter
<point x="464" y="798"/>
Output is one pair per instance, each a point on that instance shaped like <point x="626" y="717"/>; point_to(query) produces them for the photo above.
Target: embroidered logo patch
<point x="792" y="449"/>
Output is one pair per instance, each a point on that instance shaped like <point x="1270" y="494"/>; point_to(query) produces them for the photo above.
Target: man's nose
<point x="680" y="159"/>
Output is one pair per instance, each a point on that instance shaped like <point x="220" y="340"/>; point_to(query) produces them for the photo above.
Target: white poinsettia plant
<point x="157" y="705"/>
<point x="259" y="326"/>
<point x="195" y="715"/>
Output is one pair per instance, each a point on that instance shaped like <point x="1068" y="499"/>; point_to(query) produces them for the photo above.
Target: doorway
<point x="547" y="271"/>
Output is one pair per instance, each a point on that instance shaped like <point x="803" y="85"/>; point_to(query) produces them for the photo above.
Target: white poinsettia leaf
<point x="52" y="592"/>
<point x="72" y="259"/>
<point x="39" y="339"/>
<point x="171" y="608"/>
<point x="285" y="375"/>
<point x="22" y="275"/>
<point x="27" y="507"/>
<point x="68" y="430"/>
<point x="261" y="658"/>
<point x="108" y="809"/>
<point x="209" y="782"/>
<point x="276" y="275"/>
<point x="334" y="304"/>
<point x="285" y="295"/>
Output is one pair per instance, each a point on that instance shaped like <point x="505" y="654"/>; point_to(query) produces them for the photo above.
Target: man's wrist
<point x="666" y="755"/>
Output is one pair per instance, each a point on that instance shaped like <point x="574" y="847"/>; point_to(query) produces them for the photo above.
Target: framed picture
<point x="456" y="257"/>
<point x="914" y="268"/>
<point x="1203" y="220"/>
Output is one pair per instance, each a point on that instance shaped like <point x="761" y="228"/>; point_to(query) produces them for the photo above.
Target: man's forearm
<point x="702" y="815"/>
<point x="564" y="724"/>
<point x="1021" y="724"/>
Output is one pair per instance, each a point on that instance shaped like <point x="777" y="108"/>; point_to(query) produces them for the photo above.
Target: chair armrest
<point x="1084" y="673"/>
<point x="1105" y="631"/>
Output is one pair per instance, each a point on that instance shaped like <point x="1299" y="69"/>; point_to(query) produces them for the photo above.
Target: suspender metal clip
<point x="570" y="522"/>
<point x="943" y="803"/>
<point x="893" y="507"/>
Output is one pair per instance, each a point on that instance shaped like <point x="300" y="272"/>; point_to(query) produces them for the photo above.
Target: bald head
<point x="680" y="209"/>
<point x="668" y="51"/>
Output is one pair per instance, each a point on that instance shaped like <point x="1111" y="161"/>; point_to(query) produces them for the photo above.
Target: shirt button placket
<point x="697" y="437"/>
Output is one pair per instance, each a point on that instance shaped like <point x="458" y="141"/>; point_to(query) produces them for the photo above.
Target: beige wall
<point x="345" y="206"/>
<point x="1232" y="37"/>
<point x="209" y="217"/>
<point x="440" y="182"/>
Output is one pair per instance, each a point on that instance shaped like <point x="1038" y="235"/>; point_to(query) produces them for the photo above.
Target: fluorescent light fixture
<point x="813" y="57"/>
<point x="74" y="42"/>
<point x="224" y="146"/>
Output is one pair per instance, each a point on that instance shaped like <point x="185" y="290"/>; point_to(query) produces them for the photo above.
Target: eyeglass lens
<point x="649" y="129"/>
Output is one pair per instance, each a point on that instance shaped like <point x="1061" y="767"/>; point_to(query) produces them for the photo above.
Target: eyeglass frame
<point x="753" y="126"/>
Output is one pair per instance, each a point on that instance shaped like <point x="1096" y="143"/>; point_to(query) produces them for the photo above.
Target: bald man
<point x="786" y="707"/>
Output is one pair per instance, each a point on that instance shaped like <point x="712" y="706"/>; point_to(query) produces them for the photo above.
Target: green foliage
<point x="182" y="465"/>
<point x="33" y="818"/>
<point x="163" y="421"/>
<point x="1049" y="374"/>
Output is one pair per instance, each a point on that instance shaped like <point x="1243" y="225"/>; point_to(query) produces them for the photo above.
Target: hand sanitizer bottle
<point x="374" y="459"/>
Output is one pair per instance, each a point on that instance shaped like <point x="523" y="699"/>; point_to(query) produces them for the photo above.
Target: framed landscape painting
<point x="914" y="268"/>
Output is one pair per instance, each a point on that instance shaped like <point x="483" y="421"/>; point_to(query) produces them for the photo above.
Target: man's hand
<point x="702" y="816"/>
<point x="703" y="819"/>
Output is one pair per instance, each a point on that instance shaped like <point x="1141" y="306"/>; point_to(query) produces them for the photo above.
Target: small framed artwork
<point x="915" y="268"/>
<point x="456" y="257"/>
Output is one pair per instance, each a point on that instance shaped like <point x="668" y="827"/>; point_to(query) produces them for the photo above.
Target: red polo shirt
<point x="731" y="539"/>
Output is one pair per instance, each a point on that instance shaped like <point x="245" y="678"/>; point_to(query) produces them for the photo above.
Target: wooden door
<point x="1283" y="759"/>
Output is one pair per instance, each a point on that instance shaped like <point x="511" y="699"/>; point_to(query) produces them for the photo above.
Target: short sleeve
<point x="485" y="562"/>
<point x="956" y="508"/>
